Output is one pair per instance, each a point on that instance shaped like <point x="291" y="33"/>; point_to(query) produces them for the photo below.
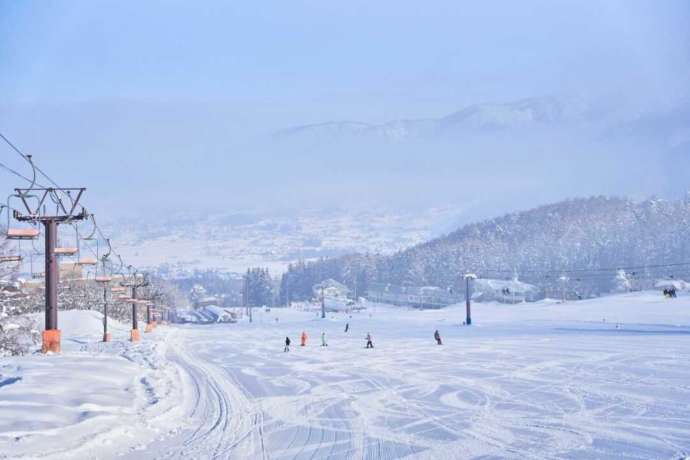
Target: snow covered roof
<point x="514" y="286"/>
<point x="331" y="286"/>
<point x="671" y="283"/>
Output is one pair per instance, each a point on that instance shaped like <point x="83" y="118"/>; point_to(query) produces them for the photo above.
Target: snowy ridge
<point x="586" y="238"/>
<point x="522" y="113"/>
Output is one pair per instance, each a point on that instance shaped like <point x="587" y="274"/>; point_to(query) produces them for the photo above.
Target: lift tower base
<point x="51" y="341"/>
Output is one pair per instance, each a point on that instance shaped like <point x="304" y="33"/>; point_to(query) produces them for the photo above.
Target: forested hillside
<point x="582" y="242"/>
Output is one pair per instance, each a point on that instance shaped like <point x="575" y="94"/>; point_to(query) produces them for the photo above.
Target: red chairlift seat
<point x="118" y="289"/>
<point x="103" y="279"/>
<point x="66" y="251"/>
<point x="22" y="233"/>
<point x="7" y="259"/>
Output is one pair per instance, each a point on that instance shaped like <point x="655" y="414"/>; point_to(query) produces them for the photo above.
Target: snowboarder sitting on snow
<point x="323" y="340"/>
<point x="287" y="344"/>
<point x="370" y="344"/>
<point x="437" y="336"/>
<point x="303" y="339"/>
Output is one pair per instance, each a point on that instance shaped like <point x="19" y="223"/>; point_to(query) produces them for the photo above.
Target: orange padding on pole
<point x="106" y="337"/>
<point x="51" y="341"/>
<point x="150" y="326"/>
<point x="135" y="335"/>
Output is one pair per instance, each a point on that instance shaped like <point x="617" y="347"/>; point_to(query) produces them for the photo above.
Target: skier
<point x="437" y="336"/>
<point x="303" y="339"/>
<point x="287" y="344"/>
<point x="323" y="340"/>
<point x="347" y="327"/>
<point x="370" y="344"/>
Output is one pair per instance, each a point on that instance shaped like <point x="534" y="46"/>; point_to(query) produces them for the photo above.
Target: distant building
<point x="330" y="288"/>
<point x="506" y="291"/>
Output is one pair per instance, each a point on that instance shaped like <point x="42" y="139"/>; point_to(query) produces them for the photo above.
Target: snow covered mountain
<point x="518" y="114"/>
<point x="582" y="241"/>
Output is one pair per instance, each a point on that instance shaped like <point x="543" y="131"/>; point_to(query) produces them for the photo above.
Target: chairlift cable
<point x="35" y="168"/>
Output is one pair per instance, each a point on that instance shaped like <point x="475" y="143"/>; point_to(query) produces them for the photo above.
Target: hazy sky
<point x="168" y="100"/>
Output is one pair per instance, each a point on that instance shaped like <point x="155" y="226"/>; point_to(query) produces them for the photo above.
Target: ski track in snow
<point x="558" y="383"/>
<point x="538" y="392"/>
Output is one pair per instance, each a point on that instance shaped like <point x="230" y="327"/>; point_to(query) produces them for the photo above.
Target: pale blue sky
<point x="167" y="93"/>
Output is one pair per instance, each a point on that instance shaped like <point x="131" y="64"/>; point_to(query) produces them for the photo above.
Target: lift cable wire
<point x="588" y="270"/>
<point x="16" y="173"/>
<point x="33" y="165"/>
<point x="28" y="159"/>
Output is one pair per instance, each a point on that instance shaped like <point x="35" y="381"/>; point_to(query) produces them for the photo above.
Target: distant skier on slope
<point x="287" y="344"/>
<point x="303" y="339"/>
<point x="437" y="337"/>
<point x="323" y="340"/>
<point x="370" y="344"/>
<point x="347" y="327"/>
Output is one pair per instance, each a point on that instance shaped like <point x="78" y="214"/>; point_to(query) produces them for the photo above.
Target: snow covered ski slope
<point x="606" y="378"/>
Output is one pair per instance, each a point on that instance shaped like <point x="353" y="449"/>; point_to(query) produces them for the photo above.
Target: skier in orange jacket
<point x="303" y="339"/>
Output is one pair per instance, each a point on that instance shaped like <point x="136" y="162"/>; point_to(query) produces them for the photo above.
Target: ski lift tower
<point x="135" y="282"/>
<point x="323" y="304"/>
<point x="66" y="201"/>
<point x="468" y="297"/>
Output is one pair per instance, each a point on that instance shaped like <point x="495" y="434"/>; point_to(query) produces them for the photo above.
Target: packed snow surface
<point x="604" y="378"/>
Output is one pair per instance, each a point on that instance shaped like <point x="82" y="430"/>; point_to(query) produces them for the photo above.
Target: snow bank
<point x="92" y="400"/>
<point x="18" y="335"/>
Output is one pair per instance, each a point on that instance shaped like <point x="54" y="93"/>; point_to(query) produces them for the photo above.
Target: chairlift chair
<point x="87" y="261"/>
<point x="66" y="251"/>
<point x="25" y="233"/>
<point x="104" y="277"/>
<point x="18" y="233"/>
<point x="91" y="236"/>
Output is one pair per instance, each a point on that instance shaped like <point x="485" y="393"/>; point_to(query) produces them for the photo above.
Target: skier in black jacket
<point x="437" y="336"/>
